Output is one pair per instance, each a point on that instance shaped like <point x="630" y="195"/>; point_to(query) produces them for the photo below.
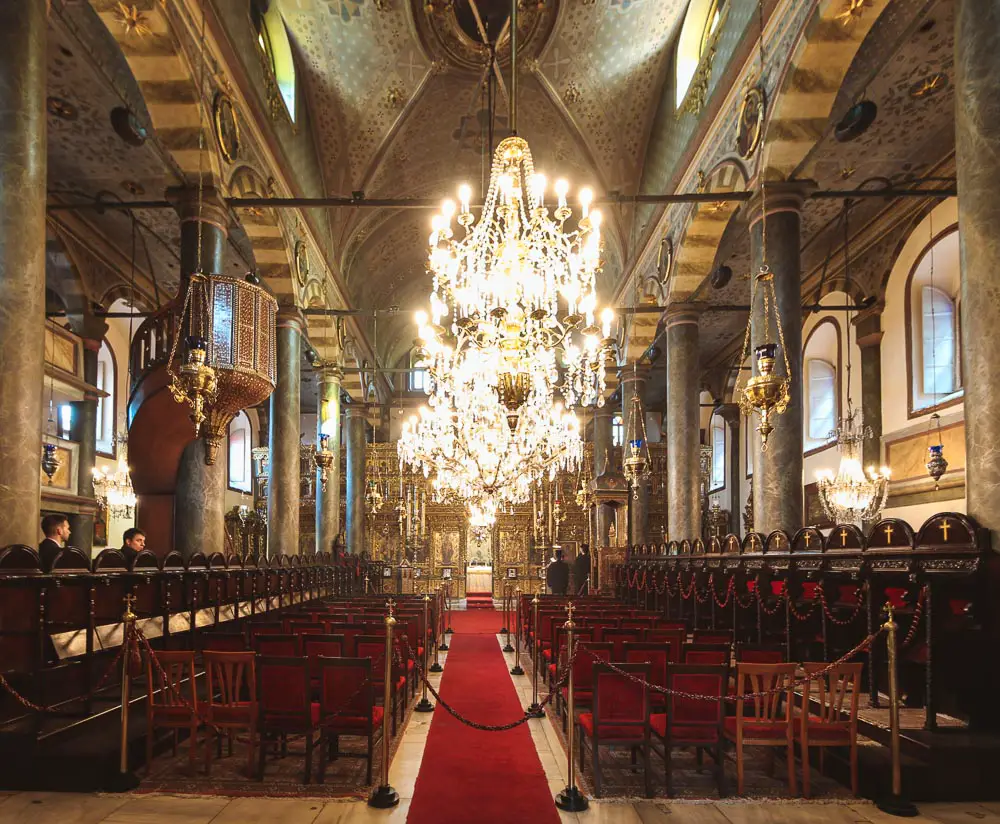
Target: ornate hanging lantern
<point x="936" y="463"/>
<point x="636" y="463"/>
<point x="50" y="460"/>
<point x="323" y="459"/>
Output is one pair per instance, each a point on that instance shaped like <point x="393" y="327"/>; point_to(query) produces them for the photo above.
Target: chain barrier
<point x="730" y="591"/>
<point x="840" y="622"/>
<point x="496" y="727"/>
<point x="27" y="703"/>
<point x="918" y="611"/>
<point x="779" y="597"/>
<point x="861" y="647"/>
<point x="802" y="616"/>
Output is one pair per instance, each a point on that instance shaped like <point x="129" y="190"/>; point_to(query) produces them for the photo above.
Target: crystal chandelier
<point x="853" y="496"/>
<point x="113" y="491"/>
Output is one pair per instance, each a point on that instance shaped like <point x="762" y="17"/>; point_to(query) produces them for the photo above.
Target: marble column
<point x="777" y="473"/>
<point x="730" y="413"/>
<point x="355" y="441"/>
<point x="869" y="339"/>
<point x="977" y="149"/>
<point x="633" y="383"/>
<point x="22" y="266"/>
<point x="200" y="497"/>
<point x="683" y="415"/>
<point x="84" y="432"/>
<point x="603" y="420"/>
<point x="283" y="486"/>
<point x="328" y="423"/>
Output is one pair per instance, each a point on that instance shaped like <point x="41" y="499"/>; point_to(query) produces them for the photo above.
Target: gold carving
<point x="853" y="10"/>
<point x="132" y="20"/>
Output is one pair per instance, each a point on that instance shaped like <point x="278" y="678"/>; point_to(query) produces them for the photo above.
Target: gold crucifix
<point x="129" y="603"/>
<point x="570" y="609"/>
<point x="807" y="538"/>
<point x="390" y="605"/>
<point x="888" y="533"/>
<point x="945" y="526"/>
<point x="843" y="537"/>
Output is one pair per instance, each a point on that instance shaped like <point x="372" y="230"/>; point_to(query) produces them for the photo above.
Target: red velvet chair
<point x="620" y="717"/>
<point x="373" y="647"/>
<point x="709" y="654"/>
<point x="765" y="721"/>
<point x="692" y="722"/>
<point x="583" y="672"/>
<point x="676" y="637"/>
<point x="284" y="646"/>
<point x="712" y="636"/>
<point x="617" y="637"/>
<point x="171" y="699"/>
<point x="327" y="646"/>
<point x="657" y="655"/>
<point x="285" y="706"/>
<point x="836" y="722"/>
<point x="266" y="628"/>
<point x="224" y="641"/>
<point x="349" y="630"/>
<point x="347" y="707"/>
<point x="231" y="701"/>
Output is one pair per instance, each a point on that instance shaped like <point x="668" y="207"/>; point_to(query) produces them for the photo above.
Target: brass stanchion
<point x="571" y="799"/>
<point x="384" y="796"/>
<point x="443" y="646"/>
<point x="508" y="616"/>
<point x="895" y="804"/>
<point x="503" y="609"/>
<point x="438" y="618"/>
<point x="424" y="705"/>
<point x="516" y="669"/>
<point x="447" y="597"/>
<point x="125" y="780"/>
<point x="535" y="710"/>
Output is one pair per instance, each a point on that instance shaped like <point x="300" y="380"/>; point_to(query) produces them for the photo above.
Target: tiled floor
<point x="69" y="808"/>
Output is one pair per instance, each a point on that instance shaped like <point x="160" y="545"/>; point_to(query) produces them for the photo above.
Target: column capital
<point x="328" y="372"/>
<point x="778" y="196"/>
<point x="681" y="313"/>
<point x="290" y="317"/>
<point x="356" y="410"/>
<point x="729" y="412"/>
<point x="213" y="208"/>
<point x="633" y="374"/>
<point x="871" y="340"/>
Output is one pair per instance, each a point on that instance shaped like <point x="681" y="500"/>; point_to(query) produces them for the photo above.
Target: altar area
<point x="479" y="578"/>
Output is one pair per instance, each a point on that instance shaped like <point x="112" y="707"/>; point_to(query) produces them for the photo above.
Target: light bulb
<point x="586" y="198"/>
<point x="562" y="189"/>
<point x="596" y="218"/>
<point x="464" y="196"/>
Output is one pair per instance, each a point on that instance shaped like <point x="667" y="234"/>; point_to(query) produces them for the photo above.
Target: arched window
<point x="240" y="444"/>
<point x="822" y="392"/>
<point x="718" y="429"/>
<point x="107" y="381"/>
<point x="701" y="24"/>
<point x="821" y="407"/>
<point x="272" y="39"/>
<point x="934" y="324"/>
<point x="617" y="430"/>
<point x="418" y="375"/>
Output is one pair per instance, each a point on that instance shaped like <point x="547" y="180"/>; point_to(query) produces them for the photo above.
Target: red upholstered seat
<point x="609" y="731"/>
<point x="355" y="722"/>
<point x="681" y="733"/>
<point x="820" y="730"/>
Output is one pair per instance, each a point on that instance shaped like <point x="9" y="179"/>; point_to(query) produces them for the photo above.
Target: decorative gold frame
<point x="221" y="101"/>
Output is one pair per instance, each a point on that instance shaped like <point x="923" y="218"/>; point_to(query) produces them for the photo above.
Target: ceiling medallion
<point x="572" y="94"/>
<point x="929" y="86"/>
<point x="301" y="262"/>
<point x="127" y="126"/>
<point x="751" y="122"/>
<point x="132" y="20"/>
<point x="62" y="109"/>
<point x="227" y="127"/>
<point x="856" y="121"/>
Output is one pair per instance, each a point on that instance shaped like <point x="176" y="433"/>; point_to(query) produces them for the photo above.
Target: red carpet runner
<point x="471" y="776"/>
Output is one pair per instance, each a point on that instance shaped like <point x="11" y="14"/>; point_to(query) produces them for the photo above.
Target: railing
<point x="151" y="343"/>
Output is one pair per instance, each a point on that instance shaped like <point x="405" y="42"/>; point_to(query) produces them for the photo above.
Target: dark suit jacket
<point x="581" y="569"/>
<point x="129" y="554"/>
<point x="557" y="577"/>
<point x="47" y="552"/>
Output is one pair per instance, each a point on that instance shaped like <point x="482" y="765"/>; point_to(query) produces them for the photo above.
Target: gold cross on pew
<point x="888" y="533"/>
<point x="945" y="526"/>
<point x="807" y="538"/>
<point x="843" y="537"/>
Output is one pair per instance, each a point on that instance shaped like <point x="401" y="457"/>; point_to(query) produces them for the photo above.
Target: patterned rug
<point x="344" y="777"/>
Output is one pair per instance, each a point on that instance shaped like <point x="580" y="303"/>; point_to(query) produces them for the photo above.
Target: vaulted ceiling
<point x="398" y="102"/>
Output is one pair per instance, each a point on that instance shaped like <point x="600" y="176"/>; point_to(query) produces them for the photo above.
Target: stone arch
<point x="812" y="78"/>
<point x="151" y="45"/>
<point x="699" y="245"/>
<point x="265" y="232"/>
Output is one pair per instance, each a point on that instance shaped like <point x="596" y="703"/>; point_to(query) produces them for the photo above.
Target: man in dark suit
<point x="55" y="528"/>
<point x="581" y="571"/>
<point x="133" y="542"/>
<point x="557" y="575"/>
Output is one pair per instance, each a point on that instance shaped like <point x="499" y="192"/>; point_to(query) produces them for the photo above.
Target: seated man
<point x="133" y="542"/>
<point x="55" y="528"/>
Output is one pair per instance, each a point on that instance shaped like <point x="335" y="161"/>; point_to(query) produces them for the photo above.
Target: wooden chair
<point x="171" y="699"/>
<point x="709" y="654"/>
<point x="588" y="654"/>
<point x="347" y="707"/>
<point x="692" y="722"/>
<point x="620" y="717"/>
<point x="677" y="637"/>
<point x="836" y="722"/>
<point x="657" y="655"/>
<point x="285" y="706"/>
<point x="231" y="697"/>
<point x="326" y="646"/>
<point x="618" y="637"/>
<point x="373" y="648"/>
<point x="765" y="721"/>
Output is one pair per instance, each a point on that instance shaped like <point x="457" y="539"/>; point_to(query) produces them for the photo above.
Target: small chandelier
<point x="374" y="500"/>
<point x="323" y="459"/>
<point x="853" y="496"/>
<point x="936" y="463"/>
<point x="114" y="492"/>
<point x="584" y="494"/>
<point x="636" y="463"/>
